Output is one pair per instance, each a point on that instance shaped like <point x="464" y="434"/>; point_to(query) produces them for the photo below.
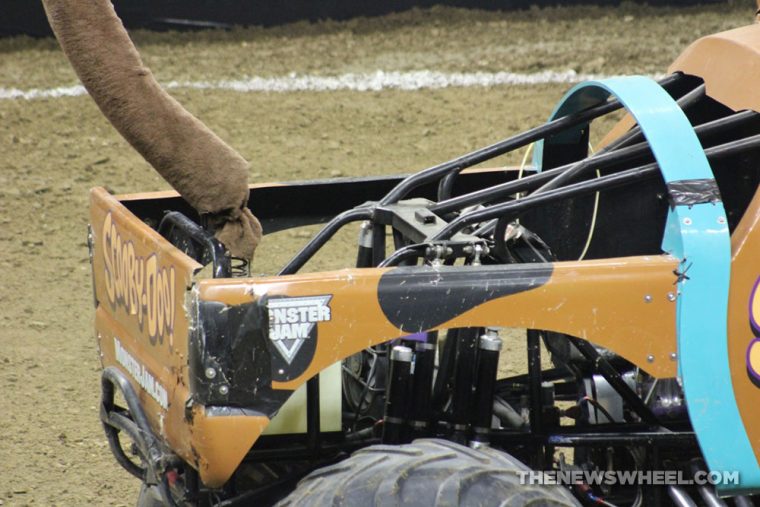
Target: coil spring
<point x="239" y="267"/>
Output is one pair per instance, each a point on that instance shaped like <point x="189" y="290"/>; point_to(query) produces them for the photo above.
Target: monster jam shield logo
<point x="293" y="320"/>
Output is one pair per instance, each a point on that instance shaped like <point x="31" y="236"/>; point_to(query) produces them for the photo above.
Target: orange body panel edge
<point x="142" y="285"/>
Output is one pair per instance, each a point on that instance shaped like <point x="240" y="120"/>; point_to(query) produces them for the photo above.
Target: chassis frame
<point x="177" y="348"/>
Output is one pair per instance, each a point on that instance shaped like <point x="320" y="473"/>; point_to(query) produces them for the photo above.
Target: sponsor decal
<point x="753" y="351"/>
<point x="292" y="321"/>
<point x="141" y="375"/>
<point x="140" y="285"/>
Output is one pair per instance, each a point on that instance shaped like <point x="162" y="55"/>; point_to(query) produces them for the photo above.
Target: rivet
<point x="223" y="390"/>
<point x="687" y="221"/>
<point x="650" y="358"/>
<point x="671" y="296"/>
<point x="673" y="356"/>
<point x="210" y="373"/>
<point x="647" y="298"/>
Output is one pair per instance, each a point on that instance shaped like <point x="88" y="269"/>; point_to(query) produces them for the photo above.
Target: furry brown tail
<point x="207" y="172"/>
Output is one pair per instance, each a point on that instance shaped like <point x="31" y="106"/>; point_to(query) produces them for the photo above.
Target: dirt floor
<point x="52" y="449"/>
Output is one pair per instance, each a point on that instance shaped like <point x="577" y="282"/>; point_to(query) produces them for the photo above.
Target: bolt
<point x="224" y="390"/>
<point x="478" y="251"/>
<point x="687" y="221"/>
<point x="650" y="358"/>
<point x="210" y="373"/>
<point x="671" y="296"/>
<point x="673" y="356"/>
<point x="647" y="298"/>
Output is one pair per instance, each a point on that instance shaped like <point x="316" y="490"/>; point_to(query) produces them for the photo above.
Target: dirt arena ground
<point x="52" y="150"/>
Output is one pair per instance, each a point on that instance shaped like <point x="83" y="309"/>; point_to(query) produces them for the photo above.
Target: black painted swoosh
<point x="415" y="299"/>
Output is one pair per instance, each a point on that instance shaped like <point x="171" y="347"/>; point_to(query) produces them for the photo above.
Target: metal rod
<point x="432" y="173"/>
<point x="599" y="160"/>
<point x="406" y="253"/>
<point x="422" y="387"/>
<point x="654" y="495"/>
<point x="680" y="497"/>
<point x="743" y="501"/>
<point x="364" y="250"/>
<point x="534" y="390"/>
<point x="447" y="360"/>
<point x="464" y="376"/>
<point x="303" y="453"/>
<point x="586" y="187"/>
<point x="512" y="143"/>
<point x="397" y="399"/>
<point x="213" y="250"/>
<point x="378" y="244"/>
<point x="710" y="498"/>
<point x="663" y="438"/>
<point x="707" y="493"/>
<point x="685" y="102"/>
<point x="518" y="206"/>
<point x="614" y="378"/>
<point x="313" y="416"/>
<point x="531" y="182"/>
<point x="559" y="373"/>
<point x="507" y="414"/>
<point x="323" y="237"/>
<point x="614" y="435"/>
<point x="446" y="185"/>
<point x="489" y="346"/>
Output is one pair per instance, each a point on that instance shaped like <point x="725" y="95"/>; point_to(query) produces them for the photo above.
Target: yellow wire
<point x="593" y="216"/>
<point x="522" y="171"/>
<point x="522" y="165"/>
<point x="592" y="227"/>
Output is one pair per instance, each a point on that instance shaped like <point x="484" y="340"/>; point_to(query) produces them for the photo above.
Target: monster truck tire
<point x="425" y="473"/>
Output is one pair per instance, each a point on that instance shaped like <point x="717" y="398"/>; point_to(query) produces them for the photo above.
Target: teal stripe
<point x="699" y="236"/>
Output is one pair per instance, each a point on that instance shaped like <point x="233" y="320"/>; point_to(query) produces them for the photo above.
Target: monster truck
<point x="635" y="267"/>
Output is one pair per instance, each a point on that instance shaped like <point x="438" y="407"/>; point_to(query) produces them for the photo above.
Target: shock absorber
<point x="421" y="409"/>
<point x="489" y="346"/>
<point x="463" y="382"/>
<point x="397" y="397"/>
<point x="364" y="255"/>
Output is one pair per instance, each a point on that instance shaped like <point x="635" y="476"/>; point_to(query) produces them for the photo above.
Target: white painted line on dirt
<point x="37" y="93"/>
<point x="374" y="81"/>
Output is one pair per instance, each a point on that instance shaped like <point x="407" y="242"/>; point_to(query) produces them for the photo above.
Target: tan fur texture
<point x="207" y="172"/>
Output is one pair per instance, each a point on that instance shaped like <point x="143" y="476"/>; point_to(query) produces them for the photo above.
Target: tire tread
<point x="427" y="472"/>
